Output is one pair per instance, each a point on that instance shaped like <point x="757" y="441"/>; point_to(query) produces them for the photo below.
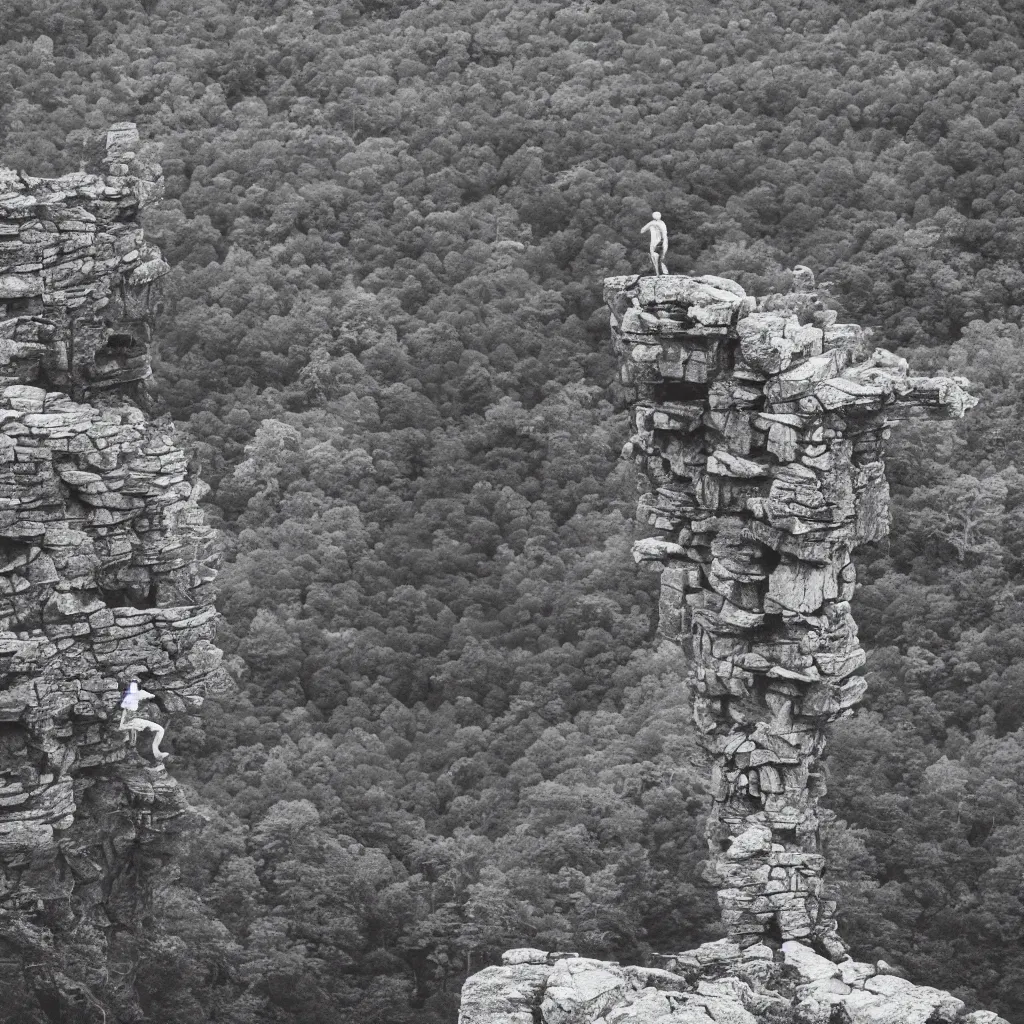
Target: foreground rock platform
<point x="106" y="566"/>
<point x="717" y="983"/>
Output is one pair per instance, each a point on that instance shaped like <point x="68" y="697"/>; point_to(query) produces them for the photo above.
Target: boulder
<point x="717" y="983"/>
<point x="649" y="1007"/>
<point x="581" y="990"/>
<point x="503" y="995"/>
<point x="750" y="842"/>
<point x="525" y="955"/>
<point x="809" y="966"/>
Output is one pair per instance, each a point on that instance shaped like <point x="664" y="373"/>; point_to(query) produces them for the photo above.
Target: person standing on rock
<point x="659" y="237"/>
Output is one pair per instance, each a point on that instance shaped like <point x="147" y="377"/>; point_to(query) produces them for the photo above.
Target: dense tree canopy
<point x="450" y="730"/>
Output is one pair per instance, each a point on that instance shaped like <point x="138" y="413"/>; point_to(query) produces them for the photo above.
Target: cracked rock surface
<point x="716" y="983"/>
<point x="759" y="433"/>
<point x="106" y="565"/>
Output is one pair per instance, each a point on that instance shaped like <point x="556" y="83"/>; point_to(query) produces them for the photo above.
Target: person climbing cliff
<point x="132" y="724"/>
<point x="659" y="237"/>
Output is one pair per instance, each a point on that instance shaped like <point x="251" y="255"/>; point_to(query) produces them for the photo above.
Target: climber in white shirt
<point x="129" y="723"/>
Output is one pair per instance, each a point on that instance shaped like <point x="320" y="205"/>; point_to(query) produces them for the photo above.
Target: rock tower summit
<point x="76" y="276"/>
<point x="760" y="427"/>
<point x="106" y="566"/>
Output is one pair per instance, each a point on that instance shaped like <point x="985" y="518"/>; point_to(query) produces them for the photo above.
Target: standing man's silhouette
<point x="659" y="236"/>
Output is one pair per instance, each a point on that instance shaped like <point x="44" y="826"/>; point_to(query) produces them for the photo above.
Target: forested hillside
<point x="451" y="730"/>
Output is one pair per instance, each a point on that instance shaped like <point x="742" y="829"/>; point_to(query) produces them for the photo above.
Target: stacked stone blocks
<point x="76" y="275"/>
<point x="759" y="428"/>
<point x="106" y="565"/>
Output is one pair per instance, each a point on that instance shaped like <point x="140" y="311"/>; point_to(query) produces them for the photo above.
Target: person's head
<point x="656" y="215"/>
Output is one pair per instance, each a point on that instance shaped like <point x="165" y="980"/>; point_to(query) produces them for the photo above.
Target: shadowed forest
<point x="450" y="729"/>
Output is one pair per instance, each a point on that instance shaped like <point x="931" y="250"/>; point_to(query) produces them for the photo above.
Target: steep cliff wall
<point x="106" y="570"/>
<point x="760" y="428"/>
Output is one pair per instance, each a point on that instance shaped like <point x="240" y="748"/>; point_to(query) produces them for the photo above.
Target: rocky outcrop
<point x="717" y="983"/>
<point x="759" y="431"/>
<point x="76" y="276"/>
<point x="106" y="567"/>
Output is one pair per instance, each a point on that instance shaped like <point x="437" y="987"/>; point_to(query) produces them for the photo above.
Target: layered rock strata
<point x="760" y="427"/>
<point x="76" y="276"/>
<point x="717" y="983"/>
<point x="106" y="566"/>
<point x="759" y="431"/>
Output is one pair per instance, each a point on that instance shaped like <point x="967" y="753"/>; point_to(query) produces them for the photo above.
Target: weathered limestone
<point x="76" y="275"/>
<point x="106" y="566"/>
<point x="759" y="432"/>
<point x="717" y="983"/>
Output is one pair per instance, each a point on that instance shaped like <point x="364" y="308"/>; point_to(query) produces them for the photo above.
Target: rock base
<point x="717" y="983"/>
<point x="106" y="575"/>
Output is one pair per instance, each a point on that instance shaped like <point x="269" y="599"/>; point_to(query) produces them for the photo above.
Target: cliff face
<point x="760" y="428"/>
<point x="106" y="570"/>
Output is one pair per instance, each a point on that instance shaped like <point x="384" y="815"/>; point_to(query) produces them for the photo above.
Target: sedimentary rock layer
<point x="759" y="433"/>
<point x="76" y="276"/>
<point x="106" y="566"/>
<point x="759" y="428"/>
